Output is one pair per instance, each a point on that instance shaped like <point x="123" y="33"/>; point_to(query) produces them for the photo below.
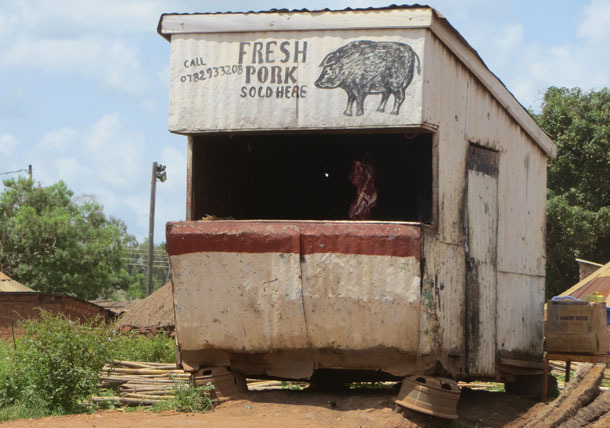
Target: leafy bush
<point x="57" y="360"/>
<point x="54" y="368"/>
<point x="137" y="347"/>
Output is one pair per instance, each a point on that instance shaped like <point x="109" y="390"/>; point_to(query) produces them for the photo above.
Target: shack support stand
<point x="568" y="358"/>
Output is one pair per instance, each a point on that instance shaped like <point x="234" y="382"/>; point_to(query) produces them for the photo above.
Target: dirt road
<point x="296" y="409"/>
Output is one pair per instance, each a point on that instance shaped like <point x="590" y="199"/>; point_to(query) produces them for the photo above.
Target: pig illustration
<point x="366" y="67"/>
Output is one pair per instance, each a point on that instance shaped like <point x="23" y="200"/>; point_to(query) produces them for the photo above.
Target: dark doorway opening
<point x="306" y="176"/>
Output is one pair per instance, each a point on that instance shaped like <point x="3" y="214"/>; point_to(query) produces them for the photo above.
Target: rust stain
<point x="483" y="160"/>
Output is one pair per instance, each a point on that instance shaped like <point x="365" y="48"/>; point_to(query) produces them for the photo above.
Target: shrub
<point x="137" y="347"/>
<point x="54" y="368"/>
<point x="56" y="363"/>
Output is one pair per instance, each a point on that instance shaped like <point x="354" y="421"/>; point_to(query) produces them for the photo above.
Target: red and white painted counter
<point x="328" y="294"/>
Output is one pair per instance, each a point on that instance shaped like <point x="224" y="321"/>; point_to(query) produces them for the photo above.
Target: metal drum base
<point x="434" y="396"/>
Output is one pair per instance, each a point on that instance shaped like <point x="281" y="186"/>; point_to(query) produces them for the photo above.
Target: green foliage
<point x="55" y="243"/>
<point x="136" y="347"/>
<point x="578" y="208"/>
<point x="188" y="398"/>
<point x="55" y="365"/>
<point x="286" y="384"/>
<point x="135" y="265"/>
<point x="54" y="369"/>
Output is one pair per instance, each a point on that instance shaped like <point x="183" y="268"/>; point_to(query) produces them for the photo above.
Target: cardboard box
<point x="576" y="327"/>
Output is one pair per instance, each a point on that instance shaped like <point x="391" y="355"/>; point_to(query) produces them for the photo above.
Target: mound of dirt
<point x="579" y="405"/>
<point x="154" y="312"/>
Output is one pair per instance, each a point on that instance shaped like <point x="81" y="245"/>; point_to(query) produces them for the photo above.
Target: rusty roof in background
<point x="598" y="281"/>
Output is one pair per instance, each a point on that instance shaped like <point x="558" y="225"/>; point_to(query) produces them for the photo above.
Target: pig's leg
<point x="384" y="100"/>
<point x="360" y="104"/>
<point x="399" y="97"/>
<point x="350" y="100"/>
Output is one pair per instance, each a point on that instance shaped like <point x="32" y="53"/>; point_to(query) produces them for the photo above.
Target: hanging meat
<point x="363" y="176"/>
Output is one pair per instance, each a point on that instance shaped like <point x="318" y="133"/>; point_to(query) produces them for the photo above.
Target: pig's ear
<point x="330" y="59"/>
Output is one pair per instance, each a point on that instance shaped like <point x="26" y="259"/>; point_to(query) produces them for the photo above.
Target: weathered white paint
<point x="238" y="302"/>
<point x="520" y="314"/>
<point x="444" y="280"/>
<point x="272" y="301"/>
<point x="465" y="111"/>
<point x="396" y="19"/>
<point x="218" y="83"/>
<point x="307" y="21"/>
<point x="361" y="302"/>
<point x="482" y="215"/>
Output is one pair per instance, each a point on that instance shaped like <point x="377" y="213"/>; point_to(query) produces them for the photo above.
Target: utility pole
<point x="29" y="172"/>
<point x="158" y="173"/>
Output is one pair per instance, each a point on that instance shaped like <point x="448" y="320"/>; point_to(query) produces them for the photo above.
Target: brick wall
<point x="16" y="306"/>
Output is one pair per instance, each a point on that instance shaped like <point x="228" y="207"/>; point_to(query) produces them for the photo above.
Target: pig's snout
<point x="327" y="79"/>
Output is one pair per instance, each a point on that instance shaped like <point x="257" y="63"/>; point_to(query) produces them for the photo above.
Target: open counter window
<point x="351" y="176"/>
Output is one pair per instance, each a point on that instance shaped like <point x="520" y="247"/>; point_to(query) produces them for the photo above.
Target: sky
<point x="84" y="84"/>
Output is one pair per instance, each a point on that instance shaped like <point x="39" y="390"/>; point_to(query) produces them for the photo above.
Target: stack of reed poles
<point x="141" y="383"/>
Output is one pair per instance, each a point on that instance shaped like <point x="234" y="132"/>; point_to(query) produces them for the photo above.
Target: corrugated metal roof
<point x="598" y="281"/>
<point x="284" y="10"/>
<point x="8" y="284"/>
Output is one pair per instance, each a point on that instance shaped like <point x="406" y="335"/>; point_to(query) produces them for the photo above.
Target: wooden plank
<point x="580" y="358"/>
<point x="521" y="363"/>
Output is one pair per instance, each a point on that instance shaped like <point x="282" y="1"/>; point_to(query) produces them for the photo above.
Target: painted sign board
<point x="295" y="80"/>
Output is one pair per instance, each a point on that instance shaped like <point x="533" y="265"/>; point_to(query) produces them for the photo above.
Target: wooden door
<point x="481" y="232"/>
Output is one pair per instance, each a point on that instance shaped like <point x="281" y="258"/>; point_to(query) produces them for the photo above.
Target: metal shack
<point x="445" y="272"/>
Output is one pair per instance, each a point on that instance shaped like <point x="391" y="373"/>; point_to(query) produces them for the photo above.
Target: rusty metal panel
<point x="600" y="285"/>
<point x="361" y="286"/>
<point x="598" y="281"/>
<point x="237" y="287"/>
<point x="296" y="80"/>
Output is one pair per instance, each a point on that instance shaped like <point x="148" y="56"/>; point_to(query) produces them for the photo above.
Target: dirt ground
<point x="286" y="408"/>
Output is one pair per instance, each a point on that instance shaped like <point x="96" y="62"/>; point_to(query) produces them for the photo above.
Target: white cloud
<point x="8" y="143"/>
<point x="71" y="170"/>
<point x="115" y="62"/>
<point x="72" y="18"/>
<point x="115" y="152"/>
<point x="528" y="64"/>
<point x="59" y="139"/>
<point x="596" y="22"/>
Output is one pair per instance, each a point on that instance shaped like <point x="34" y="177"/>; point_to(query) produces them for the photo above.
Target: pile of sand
<point x="154" y="312"/>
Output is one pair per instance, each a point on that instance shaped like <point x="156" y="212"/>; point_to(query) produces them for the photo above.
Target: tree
<point x="578" y="203"/>
<point x="55" y="243"/>
<point x="136" y="264"/>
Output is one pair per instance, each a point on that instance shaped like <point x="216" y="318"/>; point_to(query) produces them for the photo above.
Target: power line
<point x="28" y="170"/>
<point x="13" y="172"/>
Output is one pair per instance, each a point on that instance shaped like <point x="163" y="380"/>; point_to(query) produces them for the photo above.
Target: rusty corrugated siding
<point x="598" y="281"/>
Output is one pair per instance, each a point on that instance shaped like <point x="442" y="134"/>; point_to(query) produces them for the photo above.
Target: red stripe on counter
<point x="305" y="238"/>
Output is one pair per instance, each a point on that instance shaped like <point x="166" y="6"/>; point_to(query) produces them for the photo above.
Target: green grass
<point x="187" y="398"/>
